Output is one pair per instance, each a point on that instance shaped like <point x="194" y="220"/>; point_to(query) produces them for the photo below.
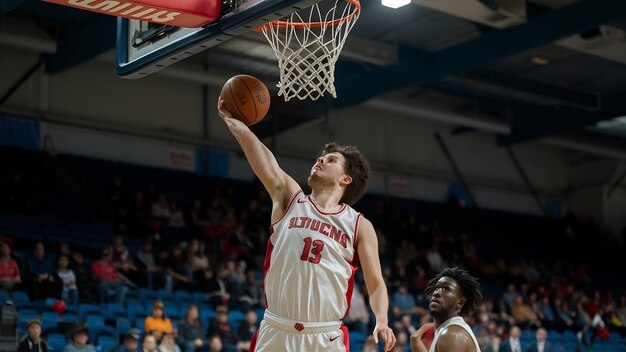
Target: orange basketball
<point x="247" y="98"/>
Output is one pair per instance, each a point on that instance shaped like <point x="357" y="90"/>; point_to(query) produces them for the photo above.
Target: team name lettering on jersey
<point x="326" y="229"/>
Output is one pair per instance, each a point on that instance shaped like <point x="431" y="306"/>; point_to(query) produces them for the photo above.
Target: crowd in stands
<point x="216" y="247"/>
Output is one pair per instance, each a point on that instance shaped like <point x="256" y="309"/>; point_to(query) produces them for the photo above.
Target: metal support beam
<point x="455" y="167"/>
<point x="21" y="81"/>
<point x="533" y="122"/>
<point x="418" y="67"/>
<point x="529" y="184"/>
<point x="617" y="182"/>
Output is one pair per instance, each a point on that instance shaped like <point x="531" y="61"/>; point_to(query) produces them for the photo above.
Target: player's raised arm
<point x="367" y="249"/>
<point x="278" y="184"/>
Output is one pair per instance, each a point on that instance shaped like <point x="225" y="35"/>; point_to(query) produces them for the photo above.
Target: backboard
<point x="144" y="48"/>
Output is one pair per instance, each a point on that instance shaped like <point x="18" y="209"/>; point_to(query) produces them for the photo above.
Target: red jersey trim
<point x="286" y="209"/>
<point x="324" y="213"/>
<point x="356" y="232"/>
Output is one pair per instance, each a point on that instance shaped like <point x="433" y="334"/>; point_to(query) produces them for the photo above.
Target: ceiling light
<point x="394" y="4"/>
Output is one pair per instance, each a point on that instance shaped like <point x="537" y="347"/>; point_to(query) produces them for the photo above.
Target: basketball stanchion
<point x="307" y="49"/>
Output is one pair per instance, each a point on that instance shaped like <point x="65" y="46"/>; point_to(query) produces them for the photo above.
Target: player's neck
<point x="440" y="320"/>
<point x="326" y="199"/>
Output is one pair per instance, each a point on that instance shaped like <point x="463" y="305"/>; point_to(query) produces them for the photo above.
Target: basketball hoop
<point x="308" y="50"/>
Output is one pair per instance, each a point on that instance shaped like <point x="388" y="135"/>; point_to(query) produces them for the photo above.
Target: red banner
<point x="181" y="13"/>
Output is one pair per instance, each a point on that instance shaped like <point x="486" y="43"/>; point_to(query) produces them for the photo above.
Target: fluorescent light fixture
<point x="394" y="4"/>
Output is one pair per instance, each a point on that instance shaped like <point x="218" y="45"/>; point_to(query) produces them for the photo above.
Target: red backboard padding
<point x="180" y="13"/>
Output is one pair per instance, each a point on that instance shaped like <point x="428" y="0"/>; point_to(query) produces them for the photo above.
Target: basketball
<point x="246" y="98"/>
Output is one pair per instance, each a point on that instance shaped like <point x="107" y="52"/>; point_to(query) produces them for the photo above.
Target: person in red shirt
<point x="9" y="271"/>
<point x="109" y="280"/>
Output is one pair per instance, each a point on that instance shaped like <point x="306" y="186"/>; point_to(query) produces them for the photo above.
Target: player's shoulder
<point x="454" y="335"/>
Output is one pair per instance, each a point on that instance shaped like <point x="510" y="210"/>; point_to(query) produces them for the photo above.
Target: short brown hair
<point x="356" y="167"/>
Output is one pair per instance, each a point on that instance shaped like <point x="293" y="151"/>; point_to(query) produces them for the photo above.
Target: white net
<point x="307" y="49"/>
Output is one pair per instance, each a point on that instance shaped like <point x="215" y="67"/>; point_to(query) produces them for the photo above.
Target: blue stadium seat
<point x="88" y="309"/>
<point x="56" y="342"/>
<point x="123" y="326"/>
<point x="135" y="310"/>
<point x="183" y="296"/>
<point x="106" y="343"/>
<point x="235" y="317"/>
<point x="164" y="294"/>
<point x="19" y="297"/>
<point x="140" y="323"/>
<point x="27" y="314"/>
<point x="146" y="294"/>
<point x="200" y="298"/>
<point x="4" y="296"/>
<point x="114" y="310"/>
<point x="172" y="312"/>
<point x="71" y="318"/>
<point x="49" y="320"/>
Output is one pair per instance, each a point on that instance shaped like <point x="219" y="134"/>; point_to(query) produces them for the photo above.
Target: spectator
<point x="168" y="343"/>
<point x="513" y="343"/>
<point x="122" y="260"/>
<point x="435" y="261"/>
<point x="149" y="344"/>
<point x="152" y="271"/>
<point x="199" y="219"/>
<point x="510" y="295"/>
<point x="108" y="279"/>
<point x="79" y="334"/>
<point x="32" y="342"/>
<point x="239" y="241"/>
<point x="84" y="279"/>
<point x="370" y="345"/>
<point x="220" y="327"/>
<point x="131" y="341"/>
<point x="69" y="293"/>
<point x="404" y="300"/>
<point x="43" y="273"/>
<point x="358" y="318"/>
<point x="9" y="271"/>
<point x="160" y="209"/>
<point x="236" y="280"/>
<point x="191" y="334"/>
<point x="405" y="324"/>
<point x="246" y="330"/>
<point x="215" y="344"/>
<point x="198" y="262"/>
<point x="542" y="345"/>
<point x="18" y="197"/>
<point x="177" y="227"/>
<point x="545" y="313"/>
<point x="522" y="313"/>
<point x="216" y="287"/>
<point x="158" y="324"/>
<point x="253" y="295"/>
<point x="177" y="270"/>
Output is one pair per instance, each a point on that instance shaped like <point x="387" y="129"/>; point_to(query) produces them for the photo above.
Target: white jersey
<point x="457" y="320"/>
<point x="310" y="262"/>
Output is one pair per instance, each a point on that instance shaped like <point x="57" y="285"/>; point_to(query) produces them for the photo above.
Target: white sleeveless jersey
<point x="457" y="320"/>
<point x="310" y="262"/>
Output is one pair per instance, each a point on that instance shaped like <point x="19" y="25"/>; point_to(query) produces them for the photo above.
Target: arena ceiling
<point x="551" y="68"/>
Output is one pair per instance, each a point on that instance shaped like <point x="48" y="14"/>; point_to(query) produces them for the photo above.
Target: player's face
<point x="328" y="169"/>
<point x="446" y="299"/>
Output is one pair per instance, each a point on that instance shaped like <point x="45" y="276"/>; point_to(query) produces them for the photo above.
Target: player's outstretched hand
<point x="222" y="110"/>
<point x="386" y="334"/>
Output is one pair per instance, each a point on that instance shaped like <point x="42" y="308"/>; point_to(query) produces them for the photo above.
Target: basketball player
<point x="313" y="249"/>
<point x="455" y="293"/>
